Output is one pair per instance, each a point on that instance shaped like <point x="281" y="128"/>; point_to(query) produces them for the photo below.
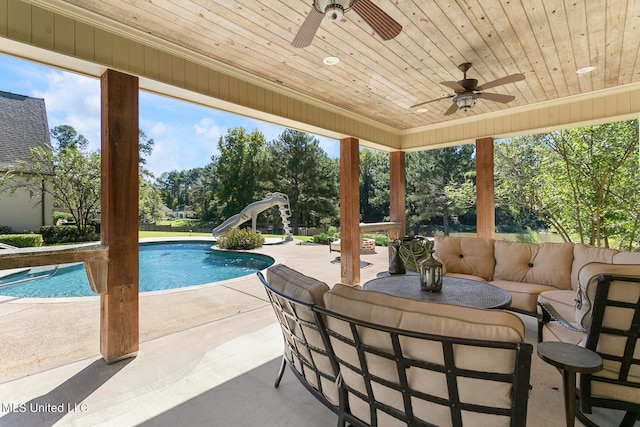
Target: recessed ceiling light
<point x="422" y="110"/>
<point x="585" y="70"/>
<point x="330" y="60"/>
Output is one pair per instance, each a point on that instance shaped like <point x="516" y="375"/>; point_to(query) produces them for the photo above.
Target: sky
<point x="186" y="135"/>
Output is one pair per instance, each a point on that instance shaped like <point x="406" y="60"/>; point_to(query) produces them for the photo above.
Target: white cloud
<point x="73" y="100"/>
<point x="186" y="135"/>
<point x="207" y="128"/>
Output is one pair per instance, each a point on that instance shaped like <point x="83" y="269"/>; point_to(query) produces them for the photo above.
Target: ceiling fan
<point x="334" y="10"/>
<point x="467" y="91"/>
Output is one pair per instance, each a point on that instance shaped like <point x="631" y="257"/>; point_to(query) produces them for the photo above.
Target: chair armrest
<point x="550" y="314"/>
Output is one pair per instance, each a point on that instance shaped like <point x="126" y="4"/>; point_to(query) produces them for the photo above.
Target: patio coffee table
<point x="457" y="291"/>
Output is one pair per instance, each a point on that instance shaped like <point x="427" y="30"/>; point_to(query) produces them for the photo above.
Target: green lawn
<point x="144" y="234"/>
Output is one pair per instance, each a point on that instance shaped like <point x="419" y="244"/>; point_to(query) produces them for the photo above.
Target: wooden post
<point x="397" y="194"/>
<point x="485" y="206"/>
<point x="350" y="210"/>
<point x="119" y="328"/>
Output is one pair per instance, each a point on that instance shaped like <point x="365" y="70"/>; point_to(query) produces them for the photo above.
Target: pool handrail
<point x="30" y="279"/>
<point x="95" y="257"/>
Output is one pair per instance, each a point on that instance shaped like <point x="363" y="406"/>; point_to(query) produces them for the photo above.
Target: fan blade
<point x="377" y="19"/>
<point x="308" y="29"/>
<point x="452" y="109"/>
<point x="433" y="100"/>
<point x="455" y="86"/>
<point x="497" y="97"/>
<point x="503" y="81"/>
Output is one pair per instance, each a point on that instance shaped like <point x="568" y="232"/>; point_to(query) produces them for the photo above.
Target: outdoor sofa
<point x="556" y="273"/>
<point x="375" y="359"/>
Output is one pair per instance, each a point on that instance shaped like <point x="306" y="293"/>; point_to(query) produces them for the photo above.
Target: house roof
<point x="237" y="56"/>
<point x="23" y="125"/>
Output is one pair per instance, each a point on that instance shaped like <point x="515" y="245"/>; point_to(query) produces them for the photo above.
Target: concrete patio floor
<point x="208" y="356"/>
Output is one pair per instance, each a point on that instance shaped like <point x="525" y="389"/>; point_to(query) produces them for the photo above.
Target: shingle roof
<point x="23" y="124"/>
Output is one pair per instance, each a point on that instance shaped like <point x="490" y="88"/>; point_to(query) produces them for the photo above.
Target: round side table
<point x="569" y="358"/>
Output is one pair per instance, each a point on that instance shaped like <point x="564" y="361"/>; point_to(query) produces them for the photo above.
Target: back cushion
<point x="430" y="318"/>
<point x="544" y="264"/>
<point x="625" y="257"/>
<point x="424" y="316"/>
<point x="585" y="254"/>
<point x="466" y="255"/>
<point x="295" y="284"/>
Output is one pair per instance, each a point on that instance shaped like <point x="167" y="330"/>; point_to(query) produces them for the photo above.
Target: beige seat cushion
<point x="430" y="318"/>
<point x="524" y="296"/>
<point x="564" y="301"/>
<point x="544" y="264"/>
<point x="295" y="284"/>
<point x="466" y="255"/>
<point x="553" y="331"/>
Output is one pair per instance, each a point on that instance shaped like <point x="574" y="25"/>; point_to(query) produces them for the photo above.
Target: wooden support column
<point x="350" y="210"/>
<point x="485" y="206"/>
<point x="397" y="193"/>
<point x="119" y="328"/>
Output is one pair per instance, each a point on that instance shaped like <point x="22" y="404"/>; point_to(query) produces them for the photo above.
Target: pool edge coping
<point x="59" y="300"/>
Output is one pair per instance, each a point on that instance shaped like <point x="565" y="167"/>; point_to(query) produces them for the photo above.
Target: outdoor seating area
<point x="377" y="359"/>
<point x="207" y="355"/>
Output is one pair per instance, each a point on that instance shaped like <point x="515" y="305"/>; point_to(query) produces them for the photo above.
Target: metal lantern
<point x="431" y="274"/>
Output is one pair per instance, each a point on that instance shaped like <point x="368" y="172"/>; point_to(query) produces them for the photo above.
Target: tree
<point x="374" y="185"/>
<point x="150" y="202"/>
<point x="73" y="171"/>
<point x="145" y="148"/>
<point x="210" y="208"/>
<point x="440" y="183"/>
<point x="300" y="168"/>
<point x="237" y="168"/>
<point x="585" y="182"/>
<point x="67" y="137"/>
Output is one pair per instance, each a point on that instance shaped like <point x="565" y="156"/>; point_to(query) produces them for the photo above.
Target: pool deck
<point x="208" y="356"/>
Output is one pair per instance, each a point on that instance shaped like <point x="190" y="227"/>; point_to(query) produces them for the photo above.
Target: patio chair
<point x="613" y="333"/>
<point x="292" y="296"/>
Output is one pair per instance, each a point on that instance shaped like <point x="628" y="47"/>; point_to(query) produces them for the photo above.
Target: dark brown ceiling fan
<point x="334" y="10"/>
<point x="467" y="91"/>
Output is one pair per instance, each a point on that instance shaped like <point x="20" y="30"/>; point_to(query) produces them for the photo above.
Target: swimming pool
<point x="166" y="265"/>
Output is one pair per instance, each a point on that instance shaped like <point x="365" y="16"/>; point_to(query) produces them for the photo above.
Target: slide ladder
<point x="285" y="213"/>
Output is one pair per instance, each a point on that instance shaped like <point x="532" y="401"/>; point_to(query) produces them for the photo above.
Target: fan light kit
<point x="467" y="91"/>
<point x="465" y="101"/>
<point x="334" y="10"/>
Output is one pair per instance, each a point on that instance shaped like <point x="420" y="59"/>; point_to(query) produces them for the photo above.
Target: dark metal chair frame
<point x="519" y="378"/>
<point x="627" y="361"/>
<point x="286" y="309"/>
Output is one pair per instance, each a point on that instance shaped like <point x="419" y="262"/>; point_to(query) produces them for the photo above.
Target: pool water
<point x="161" y="265"/>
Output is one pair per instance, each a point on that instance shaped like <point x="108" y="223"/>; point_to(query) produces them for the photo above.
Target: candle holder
<point x="431" y="274"/>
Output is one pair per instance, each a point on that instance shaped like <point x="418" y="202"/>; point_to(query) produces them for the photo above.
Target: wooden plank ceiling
<point x="546" y="40"/>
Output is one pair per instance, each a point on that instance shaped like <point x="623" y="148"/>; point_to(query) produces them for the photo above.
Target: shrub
<point x="380" y="240"/>
<point x="5" y="229"/>
<point x="67" y="234"/>
<point x="240" y="239"/>
<point x="322" y="238"/>
<point x="22" y="240"/>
